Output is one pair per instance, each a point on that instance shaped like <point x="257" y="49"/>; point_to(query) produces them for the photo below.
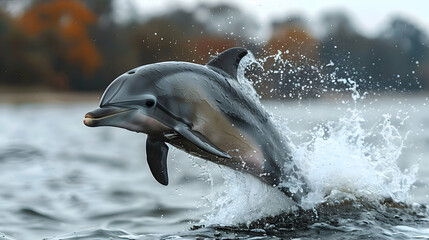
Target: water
<point x="365" y="158"/>
<point x="62" y="180"/>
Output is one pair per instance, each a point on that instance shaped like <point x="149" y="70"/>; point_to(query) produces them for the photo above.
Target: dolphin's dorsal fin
<point x="156" y="152"/>
<point x="228" y="61"/>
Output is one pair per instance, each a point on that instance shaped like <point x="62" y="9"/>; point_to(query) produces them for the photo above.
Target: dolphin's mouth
<point x="94" y="117"/>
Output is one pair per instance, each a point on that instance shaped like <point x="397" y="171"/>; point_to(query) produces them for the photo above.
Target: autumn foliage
<point x="81" y="45"/>
<point x="295" y="41"/>
<point x="69" y="19"/>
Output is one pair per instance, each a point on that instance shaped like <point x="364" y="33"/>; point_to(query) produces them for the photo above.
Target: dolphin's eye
<point x="150" y="103"/>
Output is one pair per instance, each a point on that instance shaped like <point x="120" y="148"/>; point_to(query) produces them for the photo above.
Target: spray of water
<point x="343" y="160"/>
<point x="244" y="198"/>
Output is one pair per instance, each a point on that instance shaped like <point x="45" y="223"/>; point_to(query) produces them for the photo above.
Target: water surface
<point x="368" y="163"/>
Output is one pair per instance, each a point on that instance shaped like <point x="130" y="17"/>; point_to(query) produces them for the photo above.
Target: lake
<point x="367" y="162"/>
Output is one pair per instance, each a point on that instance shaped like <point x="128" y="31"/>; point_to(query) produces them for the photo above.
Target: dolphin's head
<point x="130" y="102"/>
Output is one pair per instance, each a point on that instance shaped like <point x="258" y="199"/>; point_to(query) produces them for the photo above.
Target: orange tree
<point x="296" y="74"/>
<point x="58" y="30"/>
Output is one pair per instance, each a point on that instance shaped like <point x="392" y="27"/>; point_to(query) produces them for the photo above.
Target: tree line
<point x="78" y="45"/>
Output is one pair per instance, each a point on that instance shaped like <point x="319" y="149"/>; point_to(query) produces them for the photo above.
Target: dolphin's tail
<point x="288" y="179"/>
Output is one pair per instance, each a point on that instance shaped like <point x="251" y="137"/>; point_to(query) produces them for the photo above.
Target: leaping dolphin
<point x="203" y="111"/>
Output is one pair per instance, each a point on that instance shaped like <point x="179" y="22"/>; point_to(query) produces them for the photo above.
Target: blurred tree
<point x="408" y="37"/>
<point x="68" y="19"/>
<point x="227" y="21"/>
<point x="411" y="48"/>
<point x="49" y="45"/>
<point x="290" y="71"/>
<point x="166" y="37"/>
<point x="208" y="46"/>
<point x="18" y="65"/>
<point x="103" y="9"/>
<point x="346" y="53"/>
<point x="387" y="62"/>
<point x="67" y="43"/>
<point x="112" y="41"/>
<point x="291" y="36"/>
<point x="177" y="35"/>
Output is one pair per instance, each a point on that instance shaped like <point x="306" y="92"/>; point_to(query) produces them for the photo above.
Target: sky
<point x="368" y="16"/>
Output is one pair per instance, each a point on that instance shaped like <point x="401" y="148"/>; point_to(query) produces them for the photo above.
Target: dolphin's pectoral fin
<point x="156" y="152"/>
<point x="200" y="141"/>
<point x="228" y="61"/>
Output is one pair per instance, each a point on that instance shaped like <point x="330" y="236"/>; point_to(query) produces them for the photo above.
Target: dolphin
<point x="202" y="110"/>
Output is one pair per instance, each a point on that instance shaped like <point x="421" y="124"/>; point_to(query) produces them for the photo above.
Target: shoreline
<point x="47" y="96"/>
<point x="26" y="97"/>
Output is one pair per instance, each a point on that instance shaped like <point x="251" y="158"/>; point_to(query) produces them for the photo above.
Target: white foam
<point x="342" y="158"/>
<point x="243" y="200"/>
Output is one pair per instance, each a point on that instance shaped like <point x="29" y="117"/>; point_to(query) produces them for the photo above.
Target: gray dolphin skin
<point x="203" y="111"/>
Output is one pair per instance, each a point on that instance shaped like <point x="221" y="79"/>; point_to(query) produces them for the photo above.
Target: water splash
<point x="346" y="160"/>
<point x="343" y="160"/>
<point x="247" y="84"/>
<point x="244" y="199"/>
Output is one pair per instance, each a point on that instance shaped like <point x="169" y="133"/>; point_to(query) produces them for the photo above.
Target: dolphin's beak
<point x="103" y="116"/>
